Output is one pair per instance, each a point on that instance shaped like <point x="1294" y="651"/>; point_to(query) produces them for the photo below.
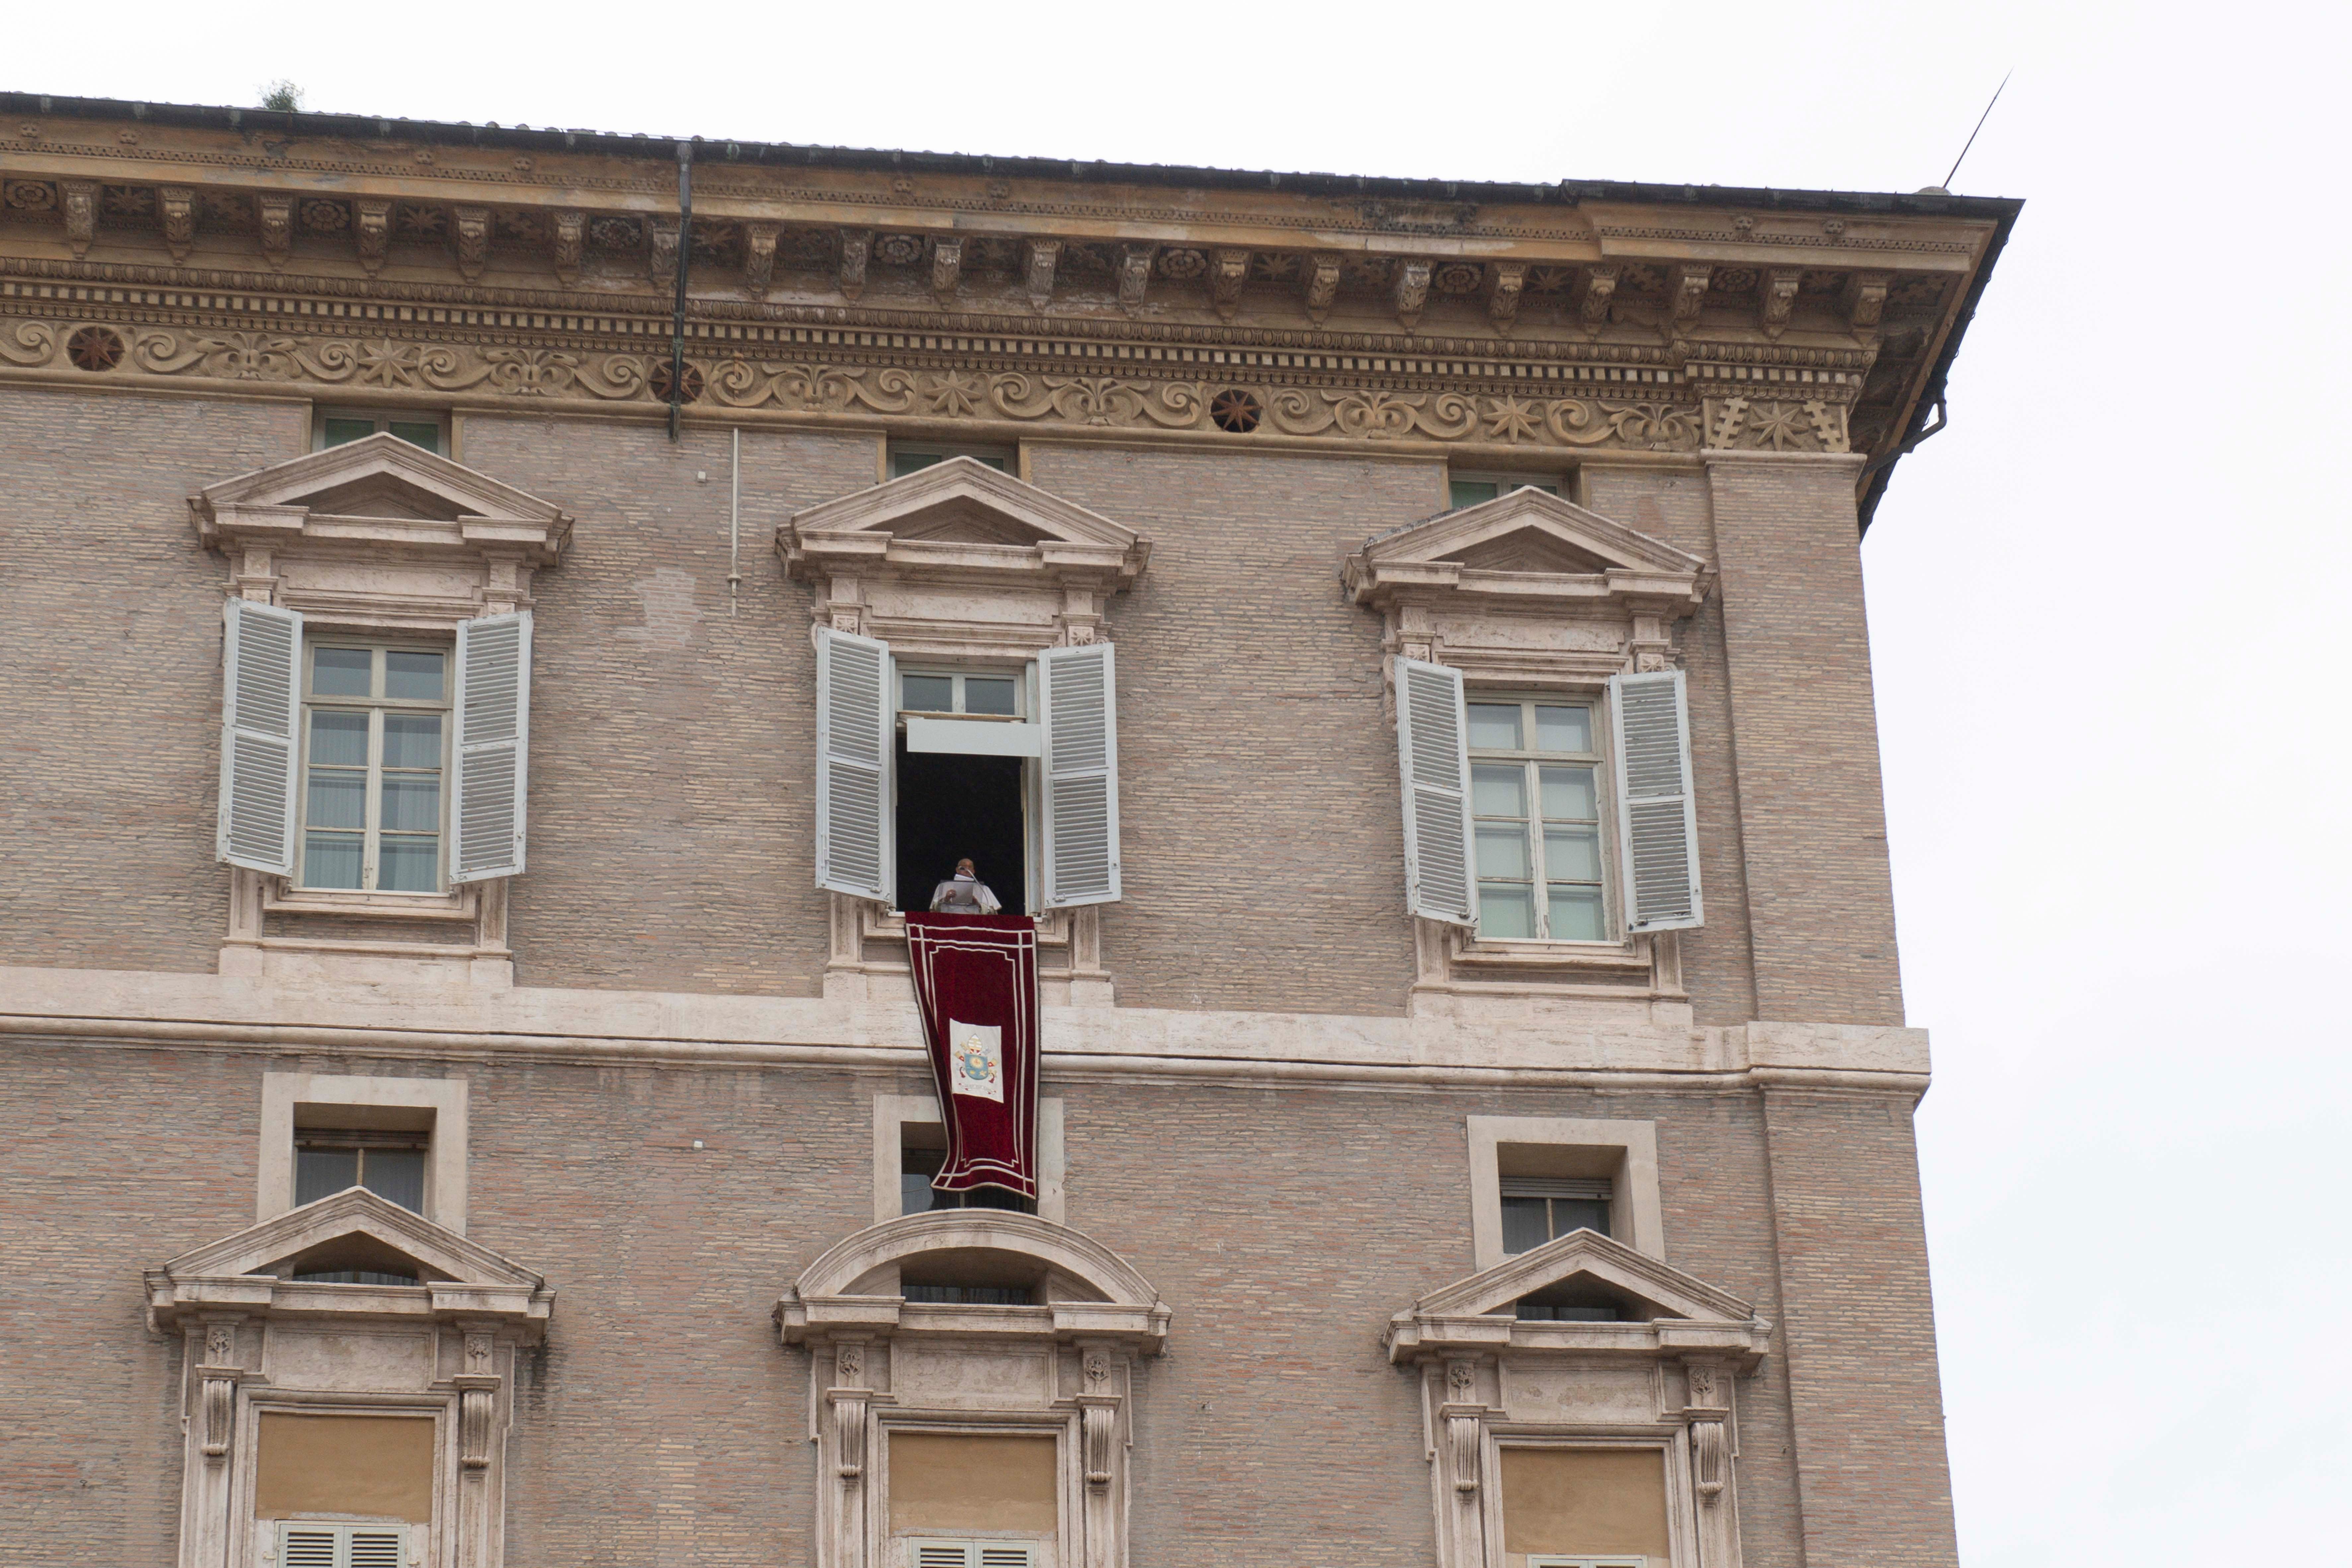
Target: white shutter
<point x="853" y="765"/>
<point x="1434" y="753"/>
<point x="935" y="1552"/>
<point x="492" y="749"/>
<point x="261" y="724"/>
<point x="939" y="1554"/>
<point x="375" y="1546"/>
<point x="309" y="1546"/>
<point x="302" y="1544"/>
<point x="1657" y="823"/>
<point x="1077" y="699"/>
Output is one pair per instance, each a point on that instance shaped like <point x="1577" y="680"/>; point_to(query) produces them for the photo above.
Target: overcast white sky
<point x="2110" y="682"/>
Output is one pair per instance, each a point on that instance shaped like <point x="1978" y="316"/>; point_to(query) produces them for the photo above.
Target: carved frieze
<point x="1776" y="424"/>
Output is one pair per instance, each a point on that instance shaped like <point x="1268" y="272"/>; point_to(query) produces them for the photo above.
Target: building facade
<point x="504" y="622"/>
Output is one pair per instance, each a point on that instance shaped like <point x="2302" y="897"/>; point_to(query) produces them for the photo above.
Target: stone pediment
<point x="1528" y="546"/>
<point x="381" y="489"/>
<point x="253" y="1270"/>
<point x="961" y="519"/>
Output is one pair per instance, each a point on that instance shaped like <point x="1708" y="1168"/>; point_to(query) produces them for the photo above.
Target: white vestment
<point x="963" y="895"/>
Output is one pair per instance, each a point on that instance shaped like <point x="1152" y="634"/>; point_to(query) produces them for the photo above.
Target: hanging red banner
<point x="976" y="987"/>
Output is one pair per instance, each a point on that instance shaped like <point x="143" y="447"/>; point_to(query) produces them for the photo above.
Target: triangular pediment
<point x="353" y="1229"/>
<point x="959" y="513"/>
<point x="382" y="476"/>
<point x="1584" y="1264"/>
<point x="1531" y="531"/>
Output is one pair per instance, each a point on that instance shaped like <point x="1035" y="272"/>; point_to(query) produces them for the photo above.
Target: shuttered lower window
<point x="933" y="1552"/>
<point x="303" y="1544"/>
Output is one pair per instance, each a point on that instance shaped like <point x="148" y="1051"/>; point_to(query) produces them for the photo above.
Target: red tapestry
<point x="976" y="987"/>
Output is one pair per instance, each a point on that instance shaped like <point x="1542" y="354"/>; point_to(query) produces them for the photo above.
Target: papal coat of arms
<point x="976" y="1059"/>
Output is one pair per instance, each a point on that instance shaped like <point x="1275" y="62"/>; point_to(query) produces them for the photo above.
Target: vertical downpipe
<point x="677" y="314"/>
<point x="734" y="518"/>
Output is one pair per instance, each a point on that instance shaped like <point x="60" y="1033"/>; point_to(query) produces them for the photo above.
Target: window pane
<point x="1505" y="910"/>
<point x="330" y="860"/>
<point x="341" y="430"/>
<point x="916" y="1194"/>
<point x="999" y="464"/>
<point x="927" y="693"/>
<point x="411" y="802"/>
<point x="338" y="800"/>
<point x="411" y="741"/>
<point x="1577" y="1213"/>
<point x="427" y="434"/>
<point x="1572" y="854"/>
<point x="339" y="741"/>
<point x="397" y="1174"/>
<point x="413" y="677"/>
<point x="1563" y="728"/>
<point x="341" y="671"/>
<point x="1498" y="790"/>
<point x="409" y="865"/>
<point x="905" y="463"/>
<point x="1575" y="915"/>
<point x="1470" y="492"/>
<point x="1494" y="726"/>
<point x="323" y="1172"/>
<point x="1569" y="796"/>
<point x="1523" y="1225"/>
<point x="987" y="694"/>
<point x="1503" y="853"/>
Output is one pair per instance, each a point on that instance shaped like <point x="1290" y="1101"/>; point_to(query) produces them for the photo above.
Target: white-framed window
<point x="1470" y="488"/>
<point x="979" y="693"/>
<point x="375" y="757"/>
<point x="334" y="427"/>
<point x="1536" y="769"/>
<point x="315" y="1544"/>
<point x="908" y="457"/>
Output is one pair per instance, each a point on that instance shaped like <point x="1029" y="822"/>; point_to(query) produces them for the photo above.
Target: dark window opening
<point x="390" y="1165"/>
<point x="353" y="1277"/>
<point x="916" y="1195"/>
<point x="952" y="808"/>
<point x="972" y="1295"/>
<point x="1579" y="1299"/>
<point x="1537" y="1211"/>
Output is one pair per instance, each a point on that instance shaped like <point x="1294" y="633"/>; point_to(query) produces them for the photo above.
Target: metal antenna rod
<point x="1981" y="124"/>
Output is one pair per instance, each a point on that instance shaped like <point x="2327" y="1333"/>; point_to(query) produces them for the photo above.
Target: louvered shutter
<point x="376" y="1547"/>
<point x="941" y="1554"/>
<point x="261" y="727"/>
<point x="1079" y="711"/>
<point x="1433" y="754"/>
<point x="305" y="1545"/>
<point x="853" y="765"/>
<point x="1005" y="1553"/>
<point x="493" y="743"/>
<point x="309" y="1546"/>
<point x="1657" y="823"/>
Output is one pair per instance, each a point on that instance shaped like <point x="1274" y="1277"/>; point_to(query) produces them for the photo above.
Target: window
<point x="375" y="732"/>
<point x="935" y="1552"/>
<point x="909" y="1143"/>
<point x="1534" y="791"/>
<point x="389" y="1164"/>
<point x="919" y="1164"/>
<point x="905" y="461"/>
<point x="402" y="1138"/>
<point x="956" y="805"/>
<point x="337" y="425"/>
<point x="304" y="1544"/>
<point x="1535" y="1211"/>
<point x="1469" y="489"/>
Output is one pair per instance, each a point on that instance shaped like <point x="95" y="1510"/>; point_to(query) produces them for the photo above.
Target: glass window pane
<point x="395" y="1174"/>
<point x="336" y="800"/>
<point x="341" y="430"/>
<point x="1563" y="728"/>
<point x="341" y="671"/>
<point x="1505" y="910"/>
<point x="1572" y="854"/>
<point x="1523" y="1225"/>
<point x="1470" y="492"/>
<point x="905" y="463"/>
<point x="1498" y="790"/>
<point x="413" y="677"/>
<point x="999" y="464"/>
<point x="1503" y="853"/>
<point x="411" y="741"/>
<point x="330" y="860"/>
<point x="323" y="1172"/>
<point x="409" y="865"/>
<point x="987" y="694"/>
<point x="916" y="1193"/>
<point x="1494" y="726"/>
<point x="339" y="741"/>
<point x="927" y="693"/>
<point x="1569" y="796"/>
<point x="411" y="803"/>
<point x="418" y="432"/>
<point x="1575" y="915"/>
<point x="1579" y="1213"/>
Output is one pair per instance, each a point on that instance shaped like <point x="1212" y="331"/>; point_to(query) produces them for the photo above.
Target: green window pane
<point x="1524" y="1224"/>
<point x="338" y="740"/>
<point x="1498" y="790"/>
<point x="1572" y="854"/>
<point x="1503" y="853"/>
<point x="1494" y="726"/>
<point x="1569" y="796"/>
<point x="341" y="671"/>
<point x="323" y="1172"/>
<point x="338" y="800"/>
<point x="413" y="677"/>
<point x="999" y="464"/>
<point x="411" y="803"/>
<point x="341" y="430"/>
<point x="1470" y="492"/>
<point x="411" y="741"/>
<point x="1575" y="915"/>
<point x="927" y="693"/>
<point x="987" y="694"/>
<point x="408" y="865"/>
<point x="1563" y="728"/>
<point x="421" y="433"/>
<point x="1505" y="910"/>
<point x="330" y="860"/>
<point x="905" y="463"/>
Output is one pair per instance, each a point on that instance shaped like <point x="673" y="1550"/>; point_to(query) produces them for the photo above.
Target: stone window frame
<point x="1530" y="628"/>
<point x="961" y="604"/>
<point x="288" y="1097"/>
<point x="894" y="1113"/>
<point x="375" y="575"/>
<point x="1629" y="1148"/>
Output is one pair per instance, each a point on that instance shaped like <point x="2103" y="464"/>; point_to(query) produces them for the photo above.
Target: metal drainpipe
<point x="678" y="315"/>
<point x="734" y="519"/>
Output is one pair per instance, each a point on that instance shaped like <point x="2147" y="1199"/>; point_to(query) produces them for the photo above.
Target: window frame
<point x="1559" y="485"/>
<point x="1004" y="460"/>
<point x="382" y="420"/>
<point x="1032" y="773"/>
<point x="377" y="708"/>
<point x="1545" y="1190"/>
<point x="1600" y="760"/>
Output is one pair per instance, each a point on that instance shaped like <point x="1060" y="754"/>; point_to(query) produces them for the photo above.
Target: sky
<point x="2110" y="691"/>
